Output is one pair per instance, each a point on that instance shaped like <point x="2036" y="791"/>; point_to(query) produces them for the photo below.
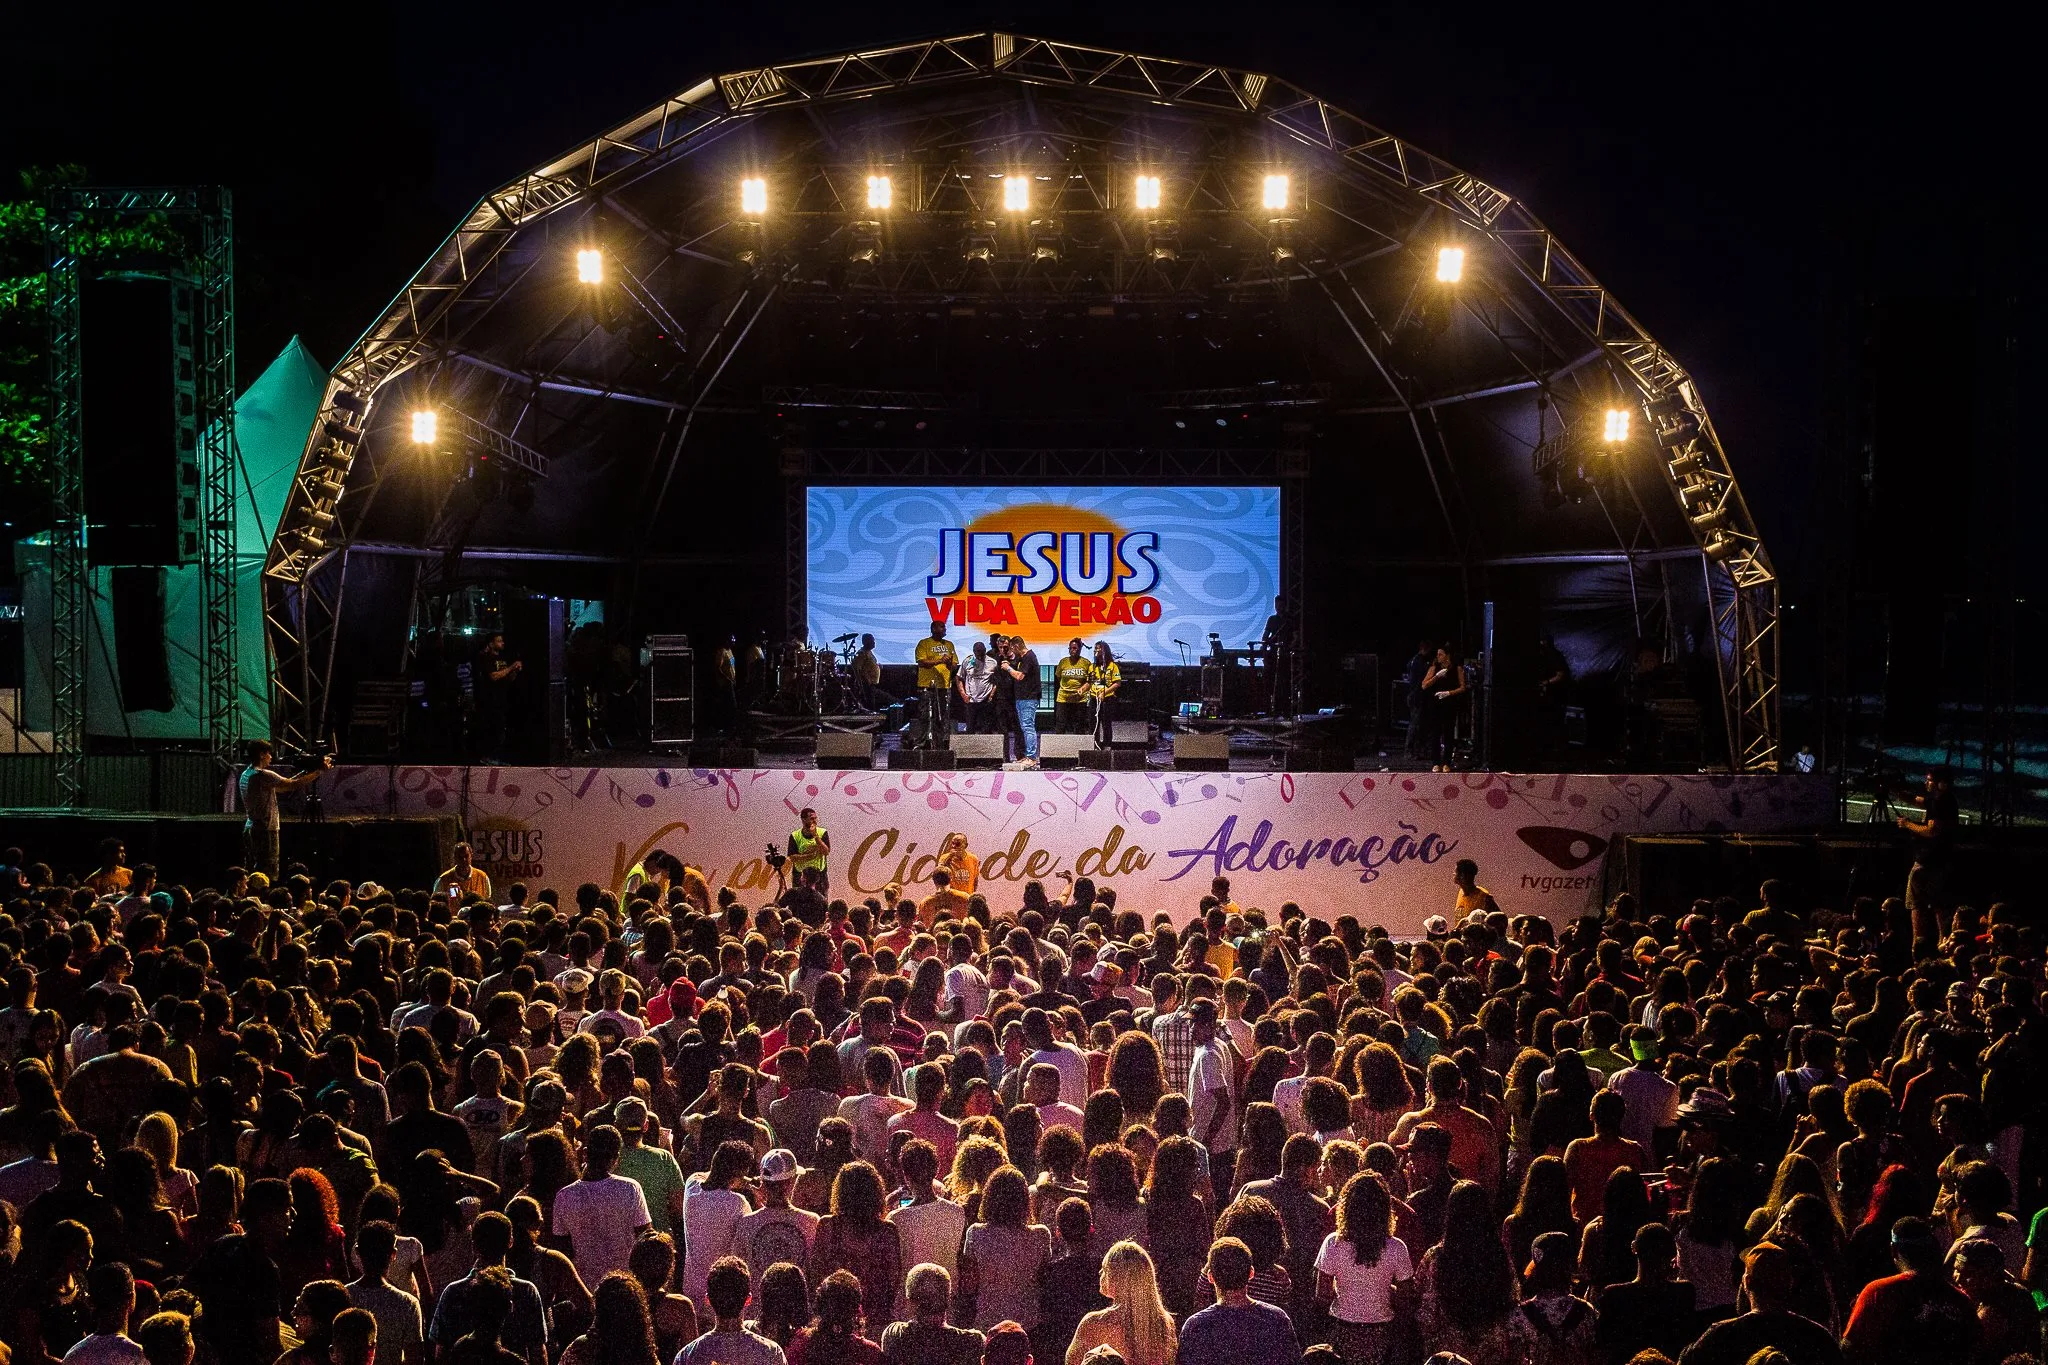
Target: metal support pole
<point x="69" y="602"/>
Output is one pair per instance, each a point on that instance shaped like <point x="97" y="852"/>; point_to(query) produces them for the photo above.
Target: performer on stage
<point x="1445" y="685"/>
<point x="976" y="686"/>
<point x="1072" y="677"/>
<point x="1104" y="680"/>
<point x="259" y="787"/>
<point x="493" y="676"/>
<point x="810" y="844"/>
<point x="867" y="676"/>
<point x="1021" y="667"/>
<point x="936" y="661"/>
<point x="963" y="867"/>
<point x="1553" y="684"/>
<point x="1279" y="643"/>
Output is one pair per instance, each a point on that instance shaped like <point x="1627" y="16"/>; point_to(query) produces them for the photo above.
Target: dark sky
<point x="1744" y="177"/>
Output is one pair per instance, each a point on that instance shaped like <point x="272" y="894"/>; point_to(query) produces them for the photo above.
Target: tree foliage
<point x="25" y="434"/>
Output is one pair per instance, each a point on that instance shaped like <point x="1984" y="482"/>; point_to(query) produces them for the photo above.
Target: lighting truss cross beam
<point x="207" y="214"/>
<point x="1497" y="242"/>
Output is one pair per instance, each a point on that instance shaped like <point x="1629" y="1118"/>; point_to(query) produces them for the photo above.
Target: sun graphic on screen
<point x="1061" y="520"/>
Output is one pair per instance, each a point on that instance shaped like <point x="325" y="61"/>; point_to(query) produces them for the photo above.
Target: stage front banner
<point x="1377" y="845"/>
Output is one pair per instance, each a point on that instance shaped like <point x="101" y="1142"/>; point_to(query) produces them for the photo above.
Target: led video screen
<point x="1139" y="567"/>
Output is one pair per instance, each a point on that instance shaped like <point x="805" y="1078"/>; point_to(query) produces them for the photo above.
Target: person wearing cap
<point x="541" y="1043"/>
<point x="574" y="983"/>
<point x="1649" y="1101"/>
<point x="1436" y="928"/>
<point x="778" y="1230"/>
<point x="648" y="1165"/>
<point x="1103" y="1002"/>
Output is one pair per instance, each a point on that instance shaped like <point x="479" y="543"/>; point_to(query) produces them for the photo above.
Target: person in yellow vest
<point x="1104" y="678"/>
<point x="809" y="846"/>
<point x="1471" y="895"/>
<point x="465" y="877"/>
<point x="963" y="867"/>
<point x="1072" y="677"/>
<point x="936" y="661"/>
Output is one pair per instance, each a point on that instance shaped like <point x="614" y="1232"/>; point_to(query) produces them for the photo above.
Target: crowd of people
<point x="333" y="1123"/>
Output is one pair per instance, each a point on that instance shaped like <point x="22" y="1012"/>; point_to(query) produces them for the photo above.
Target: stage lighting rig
<point x="589" y="266"/>
<point x="754" y="197"/>
<point x="1147" y="193"/>
<point x="1450" y="264"/>
<point x="881" y="193"/>
<point x="426" y="427"/>
<point x="1016" y="193"/>
<point x="1615" y="426"/>
<point x="1275" y="193"/>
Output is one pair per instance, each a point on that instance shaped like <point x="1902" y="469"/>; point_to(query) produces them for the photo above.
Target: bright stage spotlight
<point x="881" y="194"/>
<point x="1450" y="264"/>
<point x="1148" y="192"/>
<point x="590" y="266"/>
<point x="754" y="196"/>
<point x="426" y="426"/>
<point x="1275" y="192"/>
<point x="1016" y="193"/>
<point x="1615" y="431"/>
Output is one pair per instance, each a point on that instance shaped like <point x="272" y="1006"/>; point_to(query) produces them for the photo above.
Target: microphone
<point x="1183" y="644"/>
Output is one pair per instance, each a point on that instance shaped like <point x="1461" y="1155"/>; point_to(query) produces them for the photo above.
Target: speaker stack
<point x="672" y="691"/>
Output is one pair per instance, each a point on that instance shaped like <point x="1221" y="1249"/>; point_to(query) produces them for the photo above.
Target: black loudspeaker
<point x="836" y="750"/>
<point x="923" y="760"/>
<point x="722" y="756"/>
<point x="1114" y="760"/>
<point x="976" y="751"/>
<point x="1130" y="734"/>
<point x="1317" y="761"/>
<point x="143" y="667"/>
<point x="141" y="451"/>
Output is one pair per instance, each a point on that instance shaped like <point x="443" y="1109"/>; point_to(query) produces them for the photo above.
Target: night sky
<point x="1745" y="178"/>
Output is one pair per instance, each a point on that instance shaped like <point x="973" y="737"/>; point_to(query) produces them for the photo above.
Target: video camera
<point x="774" y="857"/>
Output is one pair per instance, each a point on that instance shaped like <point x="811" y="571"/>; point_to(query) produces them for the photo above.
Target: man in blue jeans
<point x="1022" y="668"/>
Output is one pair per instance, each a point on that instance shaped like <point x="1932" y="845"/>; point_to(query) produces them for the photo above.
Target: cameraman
<point x="258" y="788"/>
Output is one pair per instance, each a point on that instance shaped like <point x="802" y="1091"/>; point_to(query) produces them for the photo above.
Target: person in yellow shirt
<point x="936" y="660"/>
<point x="465" y="877"/>
<point x="1072" y="677"/>
<point x="963" y="867"/>
<point x="1104" y="680"/>
<point x="1471" y="895"/>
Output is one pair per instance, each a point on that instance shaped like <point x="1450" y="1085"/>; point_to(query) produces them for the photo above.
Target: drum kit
<point x="813" y="680"/>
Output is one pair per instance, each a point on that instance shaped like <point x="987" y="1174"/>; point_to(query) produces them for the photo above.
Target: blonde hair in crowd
<point x="1135" y="1310"/>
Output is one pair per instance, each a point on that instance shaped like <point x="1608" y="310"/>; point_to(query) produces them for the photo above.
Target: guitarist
<point x="936" y="660"/>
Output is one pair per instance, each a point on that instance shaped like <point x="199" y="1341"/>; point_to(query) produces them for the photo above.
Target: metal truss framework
<point x="208" y="347"/>
<point x="469" y="274"/>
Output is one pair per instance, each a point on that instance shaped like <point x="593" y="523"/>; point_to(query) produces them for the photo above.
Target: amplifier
<point x="1130" y="734"/>
<point x="1201" y="753"/>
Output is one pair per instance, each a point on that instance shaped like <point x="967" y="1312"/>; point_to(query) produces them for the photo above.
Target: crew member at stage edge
<point x="960" y="865"/>
<point x="810" y="844"/>
<point x="936" y="662"/>
<point x="1072" y="677"/>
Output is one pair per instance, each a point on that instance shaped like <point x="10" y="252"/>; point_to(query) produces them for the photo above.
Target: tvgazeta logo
<point x="1043" y="571"/>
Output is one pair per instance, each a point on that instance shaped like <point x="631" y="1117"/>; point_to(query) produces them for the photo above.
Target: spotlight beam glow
<point x="1450" y="264"/>
<point x="753" y="196"/>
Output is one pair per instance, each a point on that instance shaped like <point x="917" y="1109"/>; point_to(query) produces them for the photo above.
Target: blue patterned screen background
<point x="872" y="548"/>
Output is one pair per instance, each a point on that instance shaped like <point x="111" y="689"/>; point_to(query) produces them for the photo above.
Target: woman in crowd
<point x="1003" y="1253"/>
<point x="855" y="1237"/>
<point x="1136" y="1324"/>
<point x="620" y="1331"/>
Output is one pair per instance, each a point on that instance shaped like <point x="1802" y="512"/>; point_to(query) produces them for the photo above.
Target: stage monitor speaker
<point x="1114" y="760"/>
<point x="1201" y="753"/>
<point x="923" y="760"/>
<point x="723" y="756"/>
<point x="977" y="751"/>
<point x="837" y="750"/>
<point x="1130" y="734"/>
<point x="1063" y="751"/>
<point x="141" y="663"/>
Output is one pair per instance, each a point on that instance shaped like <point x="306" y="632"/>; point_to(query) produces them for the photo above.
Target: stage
<point x="1377" y="845"/>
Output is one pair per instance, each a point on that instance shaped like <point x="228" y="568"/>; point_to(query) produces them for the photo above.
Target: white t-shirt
<point x="965" y="983"/>
<point x="1210" y="1076"/>
<point x="601" y="1219"/>
<point x="1649" y="1102"/>
<point x="711" y="1220"/>
<point x="1073" y="1065"/>
<point x="929" y="1233"/>
<point x="104" y="1348"/>
<point x="1287" y="1097"/>
<point x="1365" y="1293"/>
<point x="870" y="1115"/>
<point x="398" y="1317"/>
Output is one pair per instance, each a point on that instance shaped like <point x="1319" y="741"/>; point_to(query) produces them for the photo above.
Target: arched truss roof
<point x="1530" y="348"/>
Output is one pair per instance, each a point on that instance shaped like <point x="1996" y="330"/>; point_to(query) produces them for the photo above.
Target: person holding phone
<point x="463" y="880"/>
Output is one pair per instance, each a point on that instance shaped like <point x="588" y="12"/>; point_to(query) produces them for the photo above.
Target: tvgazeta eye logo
<point x="1044" y="570"/>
